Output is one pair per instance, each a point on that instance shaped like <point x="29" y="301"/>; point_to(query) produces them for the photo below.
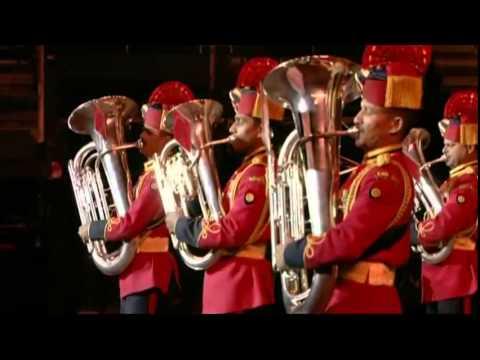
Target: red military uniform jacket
<point x="153" y="264"/>
<point x="243" y="278"/>
<point x="456" y="276"/>
<point x="371" y="240"/>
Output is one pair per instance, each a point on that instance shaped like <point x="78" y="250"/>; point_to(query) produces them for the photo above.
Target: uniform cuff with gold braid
<point x="187" y="230"/>
<point x="293" y="254"/>
<point x="96" y="230"/>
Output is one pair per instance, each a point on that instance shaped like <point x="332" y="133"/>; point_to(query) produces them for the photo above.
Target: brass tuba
<point x="427" y="192"/>
<point x="304" y="179"/>
<point x="103" y="158"/>
<point x="186" y="169"/>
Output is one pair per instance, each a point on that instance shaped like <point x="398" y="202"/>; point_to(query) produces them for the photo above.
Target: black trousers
<point x="151" y="301"/>
<point x="139" y="303"/>
<point x="450" y="306"/>
<point x="408" y="284"/>
<point x="266" y="310"/>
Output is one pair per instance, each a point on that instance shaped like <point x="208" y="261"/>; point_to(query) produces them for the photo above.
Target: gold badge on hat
<point x="460" y="199"/>
<point x="375" y="192"/>
<point x="249" y="198"/>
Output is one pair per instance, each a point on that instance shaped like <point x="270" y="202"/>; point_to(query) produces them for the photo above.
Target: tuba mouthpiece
<point x="427" y="165"/>
<point x="352" y="131"/>
<point x="349" y="132"/>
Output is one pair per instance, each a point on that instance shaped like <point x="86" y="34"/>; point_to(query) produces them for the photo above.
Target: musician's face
<point x="455" y="153"/>
<point x="153" y="142"/>
<point x="247" y="133"/>
<point x="376" y="126"/>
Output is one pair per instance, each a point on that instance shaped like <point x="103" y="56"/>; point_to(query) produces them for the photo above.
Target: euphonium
<point x="304" y="179"/>
<point x="427" y="192"/>
<point x="103" y="159"/>
<point x="186" y="169"/>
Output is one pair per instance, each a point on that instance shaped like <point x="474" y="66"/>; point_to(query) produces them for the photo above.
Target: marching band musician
<point x="447" y="287"/>
<point x="147" y="284"/>
<point x="373" y="239"/>
<point x="241" y="280"/>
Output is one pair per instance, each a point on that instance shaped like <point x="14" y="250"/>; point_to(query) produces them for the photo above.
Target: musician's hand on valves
<point x="171" y="219"/>
<point x="279" y="258"/>
<point x="83" y="232"/>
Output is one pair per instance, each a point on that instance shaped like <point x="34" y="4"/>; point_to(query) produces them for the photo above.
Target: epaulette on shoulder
<point x="386" y="170"/>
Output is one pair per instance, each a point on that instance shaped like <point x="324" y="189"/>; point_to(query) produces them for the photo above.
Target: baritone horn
<point x="304" y="177"/>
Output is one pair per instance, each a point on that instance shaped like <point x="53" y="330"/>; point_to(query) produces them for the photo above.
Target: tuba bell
<point x="304" y="179"/>
<point x="186" y="169"/>
<point x="104" y="158"/>
<point x="427" y="193"/>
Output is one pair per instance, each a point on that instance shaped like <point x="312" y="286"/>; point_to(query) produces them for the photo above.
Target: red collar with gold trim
<point x="381" y="155"/>
<point x="462" y="169"/>
<point x="260" y="151"/>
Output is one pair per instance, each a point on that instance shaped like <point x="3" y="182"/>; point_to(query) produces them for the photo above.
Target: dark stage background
<point x="43" y="265"/>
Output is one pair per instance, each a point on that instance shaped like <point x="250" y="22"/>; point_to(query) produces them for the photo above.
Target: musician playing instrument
<point x="147" y="284"/>
<point x="447" y="287"/>
<point x="242" y="279"/>
<point x="376" y="201"/>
